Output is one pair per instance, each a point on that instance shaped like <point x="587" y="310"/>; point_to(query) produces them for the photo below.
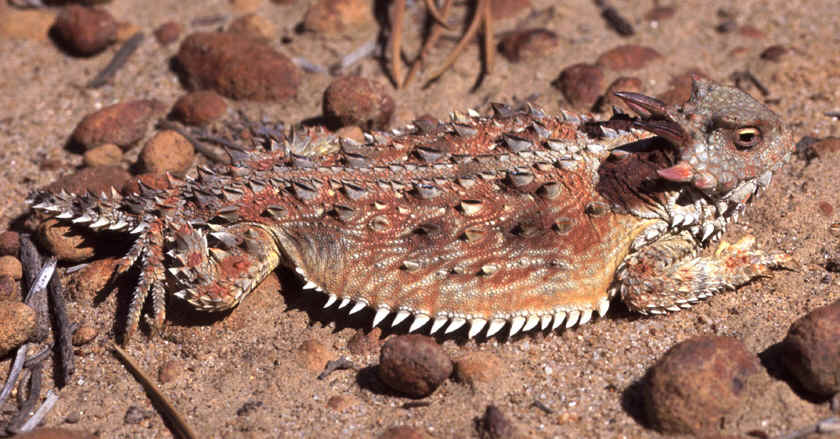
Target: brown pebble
<point x="85" y="31"/>
<point x="341" y="403"/>
<point x="627" y="57"/>
<point x="237" y="67"/>
<point x="314" y="355"/>
<point x="55" y="433"/>
<point x="17" y="325"/>
<point x="9" y="243"/>
<point x="414" y="365"/>
<point x="167" y="151"/>
<point x="86" y="284"/>
<point x="64" y="242"/>
<point x="84" y="335"/>
<point x="825" y="208"/>
<point x="108" y="154"/>
<point x="170" y="371"/>
<point x="334" y="18"/>
<point x="660" y="13"/>
<point x="812" y="352"/>
<point x="168" y="32"/>
<point x="681" y="85"/>
<point x="503" y="9"/>
<point x="353" y="100"/>
<point x="122" y="124"/>
<point x="528" y="44"/>
<point x="10" y="266"/>
<point x="254" y="26"/>
<point x="199" y="108"/>
<point x="351" y="132"/>
<point x="610" y="100"/>
<point x="750" y="31"/>
<point x="495" y="425"/>
<point x="774" y="53"/>
<point x="403" y="432"/>
<point x="828" y="145"/>
<point x="700" y="383"/>
<point x="478" y="368"/>
<point x="9" y="288"/>
<point x="581" y="84"/>
<point x="26" y="24"/>
<point x="362" y="343"/>
<point x="95" y="180"/>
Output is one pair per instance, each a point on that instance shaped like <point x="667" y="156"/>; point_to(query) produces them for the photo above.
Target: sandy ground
<point x="585" y="375"/>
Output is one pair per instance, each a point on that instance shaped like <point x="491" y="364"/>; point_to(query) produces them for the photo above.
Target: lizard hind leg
<point x="214" y="270"/>
<point x="666" y="276"/>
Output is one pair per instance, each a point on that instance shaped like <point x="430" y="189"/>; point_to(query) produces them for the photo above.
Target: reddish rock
<point x="55" y="433"/>
<point x="828" y="145"/>
<point x="152" y="180"/>
<point x="660" y="13"/>
<point x="681" y="85"/>
<point x="529" y="44"/>
<point x="254" y="26"/>
<point x="341" y="403"/>
<point x="17" y="325"/>
<point x="167" y="151"/>
<point x="353" y="100"/>
<point x="237" y="67"/>
<point x="85" y="31"/>
<point x="84" y="335"/>
<point x="478" y="368"/>
<point x="9" y="243"/>
<point x="627" y="57"/>
<point x="314" y="355"/>
<point x="122" y="124"/>
<point x="86" y="284"/>
<point x="825" y="208"/>
<point x="812" y="352"/>
<point x="751" y="32"/>
<point x="362" y="343"/>
<point x="199" y="108"/>
<point x="414" y="365"/>
<point x="168" y="32"/>
<point x="108" y="154"/>
<point x="351" y="132"/>
<point x="581" y="84"/>
<point x="96" y="180"/>
<point x="699" y="383"/>
<point x="10" y="266"/>
<point x="610" y="100"/>
<point x="64" y="242"/>
<point x="339" y="17"/>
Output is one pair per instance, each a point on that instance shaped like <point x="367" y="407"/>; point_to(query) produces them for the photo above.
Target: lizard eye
<point x="746" y="138"/>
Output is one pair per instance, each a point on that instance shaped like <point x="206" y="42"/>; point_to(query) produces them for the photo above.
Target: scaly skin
<point x="519" y="219"/>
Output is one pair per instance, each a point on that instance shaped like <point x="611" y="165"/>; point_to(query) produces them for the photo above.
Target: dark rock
<point x="199" y="108"/>
<point x="774" y="53"/>
<point x="85" y="31"/>
<point x="335" y="18"/>
<point x="122" y="124"/>
<point x="478" y="368"/>
<point x="9" y="243"/>
<point x="167" y="151"/>
<point x="528" y="44"/>
<point x="413" y="364"/>
<point x="660" y="13"/>
<point x="581" y="84"/>
<point x="237" y="67"/>
<point x="494" y="425"/>
<point x="17" y="325"/>
<point x="353" y="100"/>
<point x="698" y="383"/>
<point x="627" y="57"/>
<point x="168" y="32"/>
<point x="812" y="352"/>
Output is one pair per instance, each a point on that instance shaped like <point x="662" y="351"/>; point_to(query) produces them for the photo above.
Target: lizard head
<point x="728" y="144"/>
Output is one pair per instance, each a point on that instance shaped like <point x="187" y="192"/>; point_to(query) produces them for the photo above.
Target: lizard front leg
<point x="667" y="276"/>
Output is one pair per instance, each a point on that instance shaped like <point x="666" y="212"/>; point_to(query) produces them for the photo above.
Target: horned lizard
<point x="516" y="219"/>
